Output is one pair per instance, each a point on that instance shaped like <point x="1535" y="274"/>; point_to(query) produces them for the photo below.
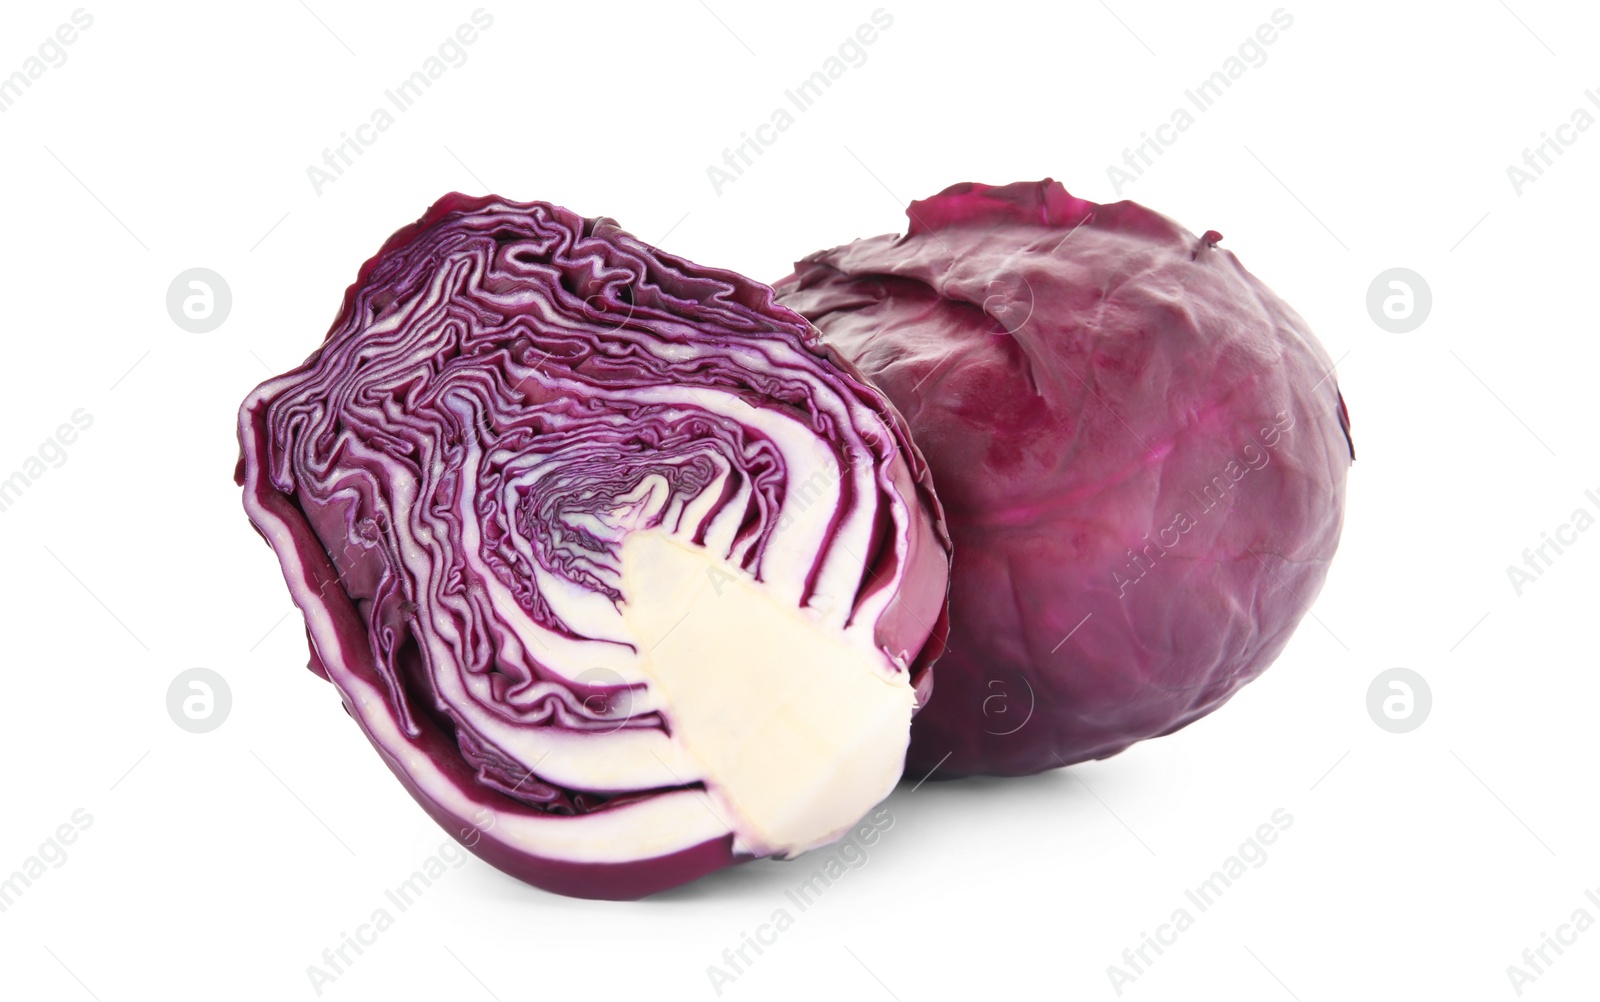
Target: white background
<point x="1376" y="135"/>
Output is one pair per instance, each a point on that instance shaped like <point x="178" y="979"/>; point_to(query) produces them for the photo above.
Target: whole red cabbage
<point x="1140" y="449"/>
<point x="622" y="573"/>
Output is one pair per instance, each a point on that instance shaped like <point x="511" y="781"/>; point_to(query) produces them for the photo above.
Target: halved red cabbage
<point x="1141" y="450"/>
<point x="623" y="573"/>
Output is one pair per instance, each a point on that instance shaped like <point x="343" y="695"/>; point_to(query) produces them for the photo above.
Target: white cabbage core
<point x="797" y="728"/>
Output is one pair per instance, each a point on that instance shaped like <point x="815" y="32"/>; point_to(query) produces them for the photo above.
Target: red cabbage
<point x="623" y="573"/>
<point x="1141" y="451"/>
